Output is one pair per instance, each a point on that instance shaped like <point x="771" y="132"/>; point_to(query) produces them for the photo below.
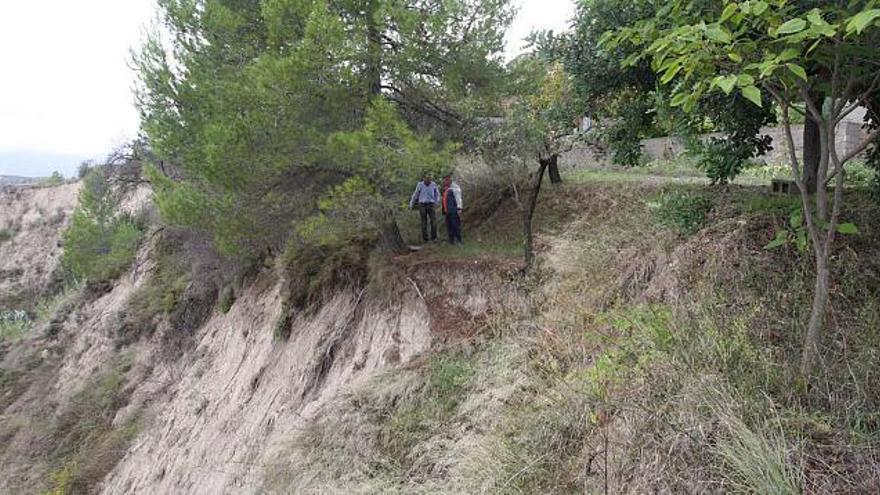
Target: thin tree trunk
<point x="817" y="315"/>
<point x="553" y="170"/>
<point x="529" y="214"/>
<point x="811" y="154"/>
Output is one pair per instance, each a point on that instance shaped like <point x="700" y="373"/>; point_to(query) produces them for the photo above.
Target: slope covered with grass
<point x="657" y="353"/>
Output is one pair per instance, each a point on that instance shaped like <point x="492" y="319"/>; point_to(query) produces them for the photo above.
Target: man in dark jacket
<point x="426" y="196"/>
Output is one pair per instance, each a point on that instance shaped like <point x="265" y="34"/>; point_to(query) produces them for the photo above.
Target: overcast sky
<point x="66" y="83"/>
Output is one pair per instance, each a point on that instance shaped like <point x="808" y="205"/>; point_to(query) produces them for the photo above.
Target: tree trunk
<point x="553" y="170"/>
<point x="374" y="53"/>
<point x="390" y="240"/>
<point x="529" y="214"/>
<point x="817" y="315"/>
<point x="812" y="154"/>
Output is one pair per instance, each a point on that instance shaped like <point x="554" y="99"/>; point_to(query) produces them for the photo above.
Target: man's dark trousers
<point x="426" y="212"/>
<point x="453" y="226"/>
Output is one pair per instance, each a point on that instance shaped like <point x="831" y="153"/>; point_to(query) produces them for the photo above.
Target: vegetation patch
<point x="182" y="289"/>
<point x="88" y="444"/>
<point x="381" y="436"/>
<point x="684" y="212"/>
<point x="310" y="271"/>
<point x="14" y="325"/>
<point x="100" y="243"/>
<point x="6" y="235"/>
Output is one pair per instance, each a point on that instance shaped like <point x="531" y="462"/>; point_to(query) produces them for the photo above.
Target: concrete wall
<point x="849" y="135"/>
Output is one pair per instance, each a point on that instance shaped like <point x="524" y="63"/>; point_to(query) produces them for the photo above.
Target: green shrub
<point x="99" y="244"/>
<point x="13" y="325"/>
<point x="5" y="235"/>
<point x="56" y="179"/>
<point x="683" y="212"/>
<point x="159" y="296"/>
<point x="97" y="252"/>
<point x="722" y="159"/>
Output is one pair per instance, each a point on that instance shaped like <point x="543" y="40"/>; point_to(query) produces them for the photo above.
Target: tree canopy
<point x="242" y="97"/>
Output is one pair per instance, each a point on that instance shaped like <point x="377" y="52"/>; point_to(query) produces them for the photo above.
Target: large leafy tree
<point x="615" y="95"/>
<point x="757" y="45"/>
<point x="631" y="104"/>
<point x="241" y="97"/>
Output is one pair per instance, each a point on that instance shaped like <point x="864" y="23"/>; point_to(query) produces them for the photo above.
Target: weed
<point x="159" y="296"/>
<point x="14" y="325"/>
<point x="381" y="433"/>
<point x="683" y="212"/>
<point x="6" y="235"/>
<point x="89" y="446"/>
<point x="227" y="298"/>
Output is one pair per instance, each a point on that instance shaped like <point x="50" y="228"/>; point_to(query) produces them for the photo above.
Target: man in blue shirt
<point x="426" y="196"/>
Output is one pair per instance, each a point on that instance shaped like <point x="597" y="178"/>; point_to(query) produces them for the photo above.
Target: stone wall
<point x="849" y="135"/>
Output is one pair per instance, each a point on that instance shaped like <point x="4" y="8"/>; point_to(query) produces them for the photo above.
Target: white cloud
<point x="66" y="84"/>
<point x="537" y="14"/>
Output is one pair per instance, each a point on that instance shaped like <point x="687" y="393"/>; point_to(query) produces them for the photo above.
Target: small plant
<point x="5" y="235"/>
<point x="56" y="179"/>
<point x="685" y="213"/>
<point x="14" y="324"/>
<point x="227" y="298"/>
<point x="796" y="232"/>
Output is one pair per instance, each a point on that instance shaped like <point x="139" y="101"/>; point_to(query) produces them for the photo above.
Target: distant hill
<point x="14" y="180"/>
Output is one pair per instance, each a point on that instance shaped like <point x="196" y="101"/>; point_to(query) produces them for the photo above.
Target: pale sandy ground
<point x="36" y="217"/>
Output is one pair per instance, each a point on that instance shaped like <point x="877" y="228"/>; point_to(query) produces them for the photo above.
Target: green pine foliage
<point x="260" y="93"/>
<point x="99" y="244"/>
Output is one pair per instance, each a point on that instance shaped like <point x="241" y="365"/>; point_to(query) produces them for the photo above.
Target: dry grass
<point x="649" y="362"/>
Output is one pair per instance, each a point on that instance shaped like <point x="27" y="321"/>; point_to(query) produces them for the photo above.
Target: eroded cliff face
<point x="32" y="218"/>
<point x="229" y="406"/>
<point x="213" y="414"/>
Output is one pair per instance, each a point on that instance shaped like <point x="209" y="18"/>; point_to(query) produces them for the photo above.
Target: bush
<point x="685" y="213"/>
<point x="722" y="159"/>
<point x="5" y="235"/>
<point x="98" y="252"/>
<point x="13" y="325"/>
<point x="99" y="244"/>
<point x="56" y="179"/>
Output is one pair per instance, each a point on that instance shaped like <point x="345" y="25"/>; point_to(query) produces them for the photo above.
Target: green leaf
<point x="753" y="94"/>
<point x="791" y="27"/>
<point x="759" y="7"/>
<point x="670" y="73"/>
<point x="788" y="54"/>
<point x="780" y="240"/>
<point x="797" y="70"/>
<point x="847" y="229"/>
<point x="744" y="80"/>
<point x="679" y="99"/>
<point x="801" y="240"/>
<point x="860" y="21"/>
<point x="726" y="83"/>
<point x="728" y="11"/>
<point x="717" y="33"/>
<point x="796" y="219"/>
<point x="736" y="57"/>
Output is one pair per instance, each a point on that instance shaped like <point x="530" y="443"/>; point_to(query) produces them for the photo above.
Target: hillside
<point x="653" y="349"/>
